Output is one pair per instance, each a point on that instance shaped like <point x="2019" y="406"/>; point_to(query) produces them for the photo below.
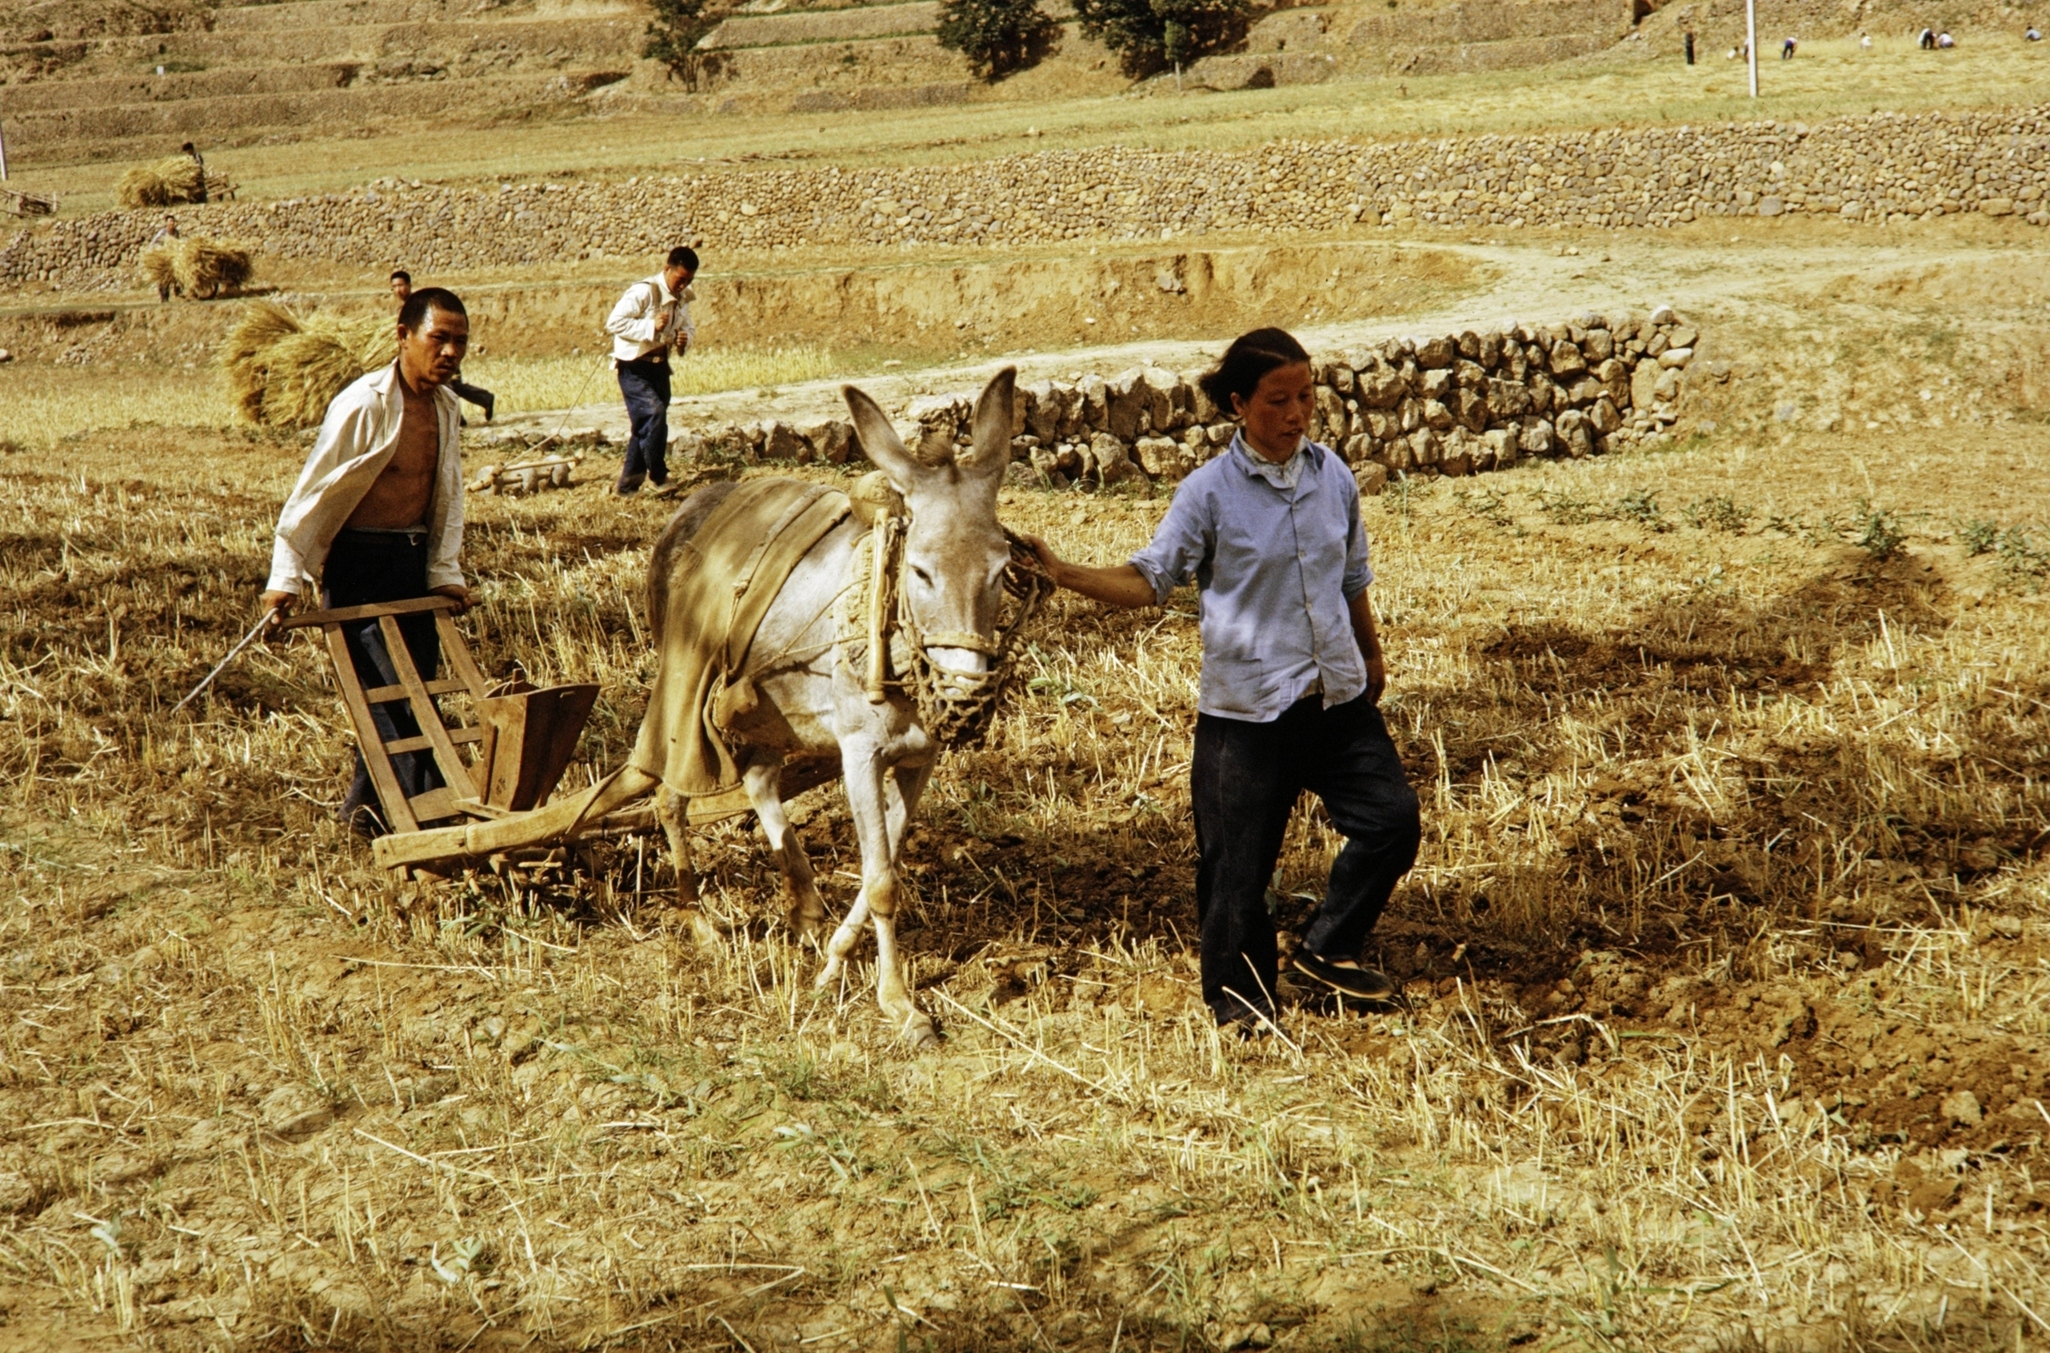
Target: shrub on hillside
<point x="997" y="36"/>
<point x="676" y="28"/>
<point x="1149" y="36"/>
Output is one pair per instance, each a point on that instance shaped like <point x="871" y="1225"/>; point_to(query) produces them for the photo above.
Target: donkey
<point x="814" y="717"/>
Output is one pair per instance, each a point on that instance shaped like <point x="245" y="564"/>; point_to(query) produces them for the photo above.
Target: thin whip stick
<point x="233" y="653"/>
<point x="563" y="421"/>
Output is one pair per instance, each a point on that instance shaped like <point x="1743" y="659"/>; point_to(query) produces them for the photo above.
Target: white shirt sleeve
<point x="304" y="524"/>
<point x="634" y="317"/>
<point x="445" y="512"/>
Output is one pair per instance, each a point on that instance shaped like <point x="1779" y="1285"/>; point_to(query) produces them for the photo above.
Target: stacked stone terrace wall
<point x="1883" y="167"/>
<point x="1453" y="405"/>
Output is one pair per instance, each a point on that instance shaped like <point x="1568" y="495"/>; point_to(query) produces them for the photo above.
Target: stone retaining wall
<point x="1453" y="405"/>
<point x="1883" y="167"/>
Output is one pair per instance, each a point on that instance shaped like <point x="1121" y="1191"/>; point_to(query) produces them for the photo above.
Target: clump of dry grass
<point x="198" y="267"/>
<point x="283" y="370"/>
<point x="173" y="180"/>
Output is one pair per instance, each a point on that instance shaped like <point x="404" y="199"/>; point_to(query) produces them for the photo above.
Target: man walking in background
<point x="651" y="319"/>
<point x="401" y="288"/>
<point x="377" y="515"/>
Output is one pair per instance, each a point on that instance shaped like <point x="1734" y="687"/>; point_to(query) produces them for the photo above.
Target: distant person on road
<point x="1927" y="42"/>
<point x="1270" y="534"/>
<point x="401" y="288"/>
<point x="2033" y="35"/>
<point x="1687" y="44"/>
<point x="1864" y="42"/>
<point x="377" y="516"/>
<point x="650" y="323"/>
<point x="1945" y="42"/>
<point x="192" y="150"/>
<point x="1787" y="50"/>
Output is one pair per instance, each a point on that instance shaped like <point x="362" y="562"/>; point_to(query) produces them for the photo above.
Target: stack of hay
<point x="197" y="267"/>
<point x="163" y="184"/>
<point x="284" y="370"/>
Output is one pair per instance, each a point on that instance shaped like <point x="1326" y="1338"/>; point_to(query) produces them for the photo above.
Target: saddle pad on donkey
<point x="721" y="584"/>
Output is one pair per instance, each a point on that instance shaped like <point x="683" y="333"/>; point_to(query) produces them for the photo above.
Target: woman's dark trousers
<point x="645" y="385"/>
<point x="372" y="566"/>
<point x="1245" y="778"/>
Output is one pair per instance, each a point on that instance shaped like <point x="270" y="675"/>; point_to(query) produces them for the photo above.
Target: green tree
<point x="997" y="36"/>
<point x="1151" y="35"/>
<point x="673" y="36"/>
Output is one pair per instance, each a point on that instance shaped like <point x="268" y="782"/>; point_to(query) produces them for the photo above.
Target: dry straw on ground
<point x="1728" y="951"/>
<point x="169" y="182"/>
<point x="283" y="369"/>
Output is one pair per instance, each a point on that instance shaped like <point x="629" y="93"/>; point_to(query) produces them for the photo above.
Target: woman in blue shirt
<point x="1292" y="676"/>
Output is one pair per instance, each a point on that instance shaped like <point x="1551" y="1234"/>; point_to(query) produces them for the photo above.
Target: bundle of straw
<point x="160" y="266"/>
<point x="198" y="267"/>
<point x="285" y="370"/>
<point x="169" y="181"/>
<point x="209" y="267"/>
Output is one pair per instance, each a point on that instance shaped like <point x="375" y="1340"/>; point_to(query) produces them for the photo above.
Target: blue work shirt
<point x="1275" y="569"/>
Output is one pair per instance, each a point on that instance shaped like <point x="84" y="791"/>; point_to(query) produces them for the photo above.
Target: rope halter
<point x="956" y="705"/>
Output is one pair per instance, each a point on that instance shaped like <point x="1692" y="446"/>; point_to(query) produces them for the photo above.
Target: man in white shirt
<point x="377" y="515"/>
<point x="651" y="320"/>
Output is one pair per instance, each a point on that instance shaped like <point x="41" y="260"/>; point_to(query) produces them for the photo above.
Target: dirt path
<point x="1741" y="279"/>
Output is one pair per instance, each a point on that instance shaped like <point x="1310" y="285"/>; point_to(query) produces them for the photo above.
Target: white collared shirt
<point x="356" y="442"/>
<point x="1283" y="476"/>
<point x="635" y="324"/>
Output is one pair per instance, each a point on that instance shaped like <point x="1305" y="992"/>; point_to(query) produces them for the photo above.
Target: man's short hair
<point x="413" y="314"/>
<point x="683" y="256"/>
<point x="397" y="273"/>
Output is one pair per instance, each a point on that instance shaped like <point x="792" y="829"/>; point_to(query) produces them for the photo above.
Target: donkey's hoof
<point x="829" y="974"/>
<point x="920" y="1035"/>
<point x="703" y="931"/>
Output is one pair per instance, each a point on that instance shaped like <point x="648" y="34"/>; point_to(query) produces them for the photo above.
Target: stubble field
<point x="1727" y="955"/>
<point x="1727" y="958"/>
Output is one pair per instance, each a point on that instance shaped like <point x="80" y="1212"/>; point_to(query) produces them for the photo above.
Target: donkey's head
<point x="954" y="551"/>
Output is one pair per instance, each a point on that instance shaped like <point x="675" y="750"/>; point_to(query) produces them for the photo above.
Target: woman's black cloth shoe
<point x="1362" y="984"/>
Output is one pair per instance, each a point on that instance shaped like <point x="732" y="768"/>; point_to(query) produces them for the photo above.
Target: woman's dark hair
<point x="1247" y="361"/>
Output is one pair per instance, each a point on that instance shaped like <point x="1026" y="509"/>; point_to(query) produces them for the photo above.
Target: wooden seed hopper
<point x="520" y="742"/>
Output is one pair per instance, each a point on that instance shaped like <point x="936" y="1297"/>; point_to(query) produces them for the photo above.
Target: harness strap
<point x="958" y="639"/>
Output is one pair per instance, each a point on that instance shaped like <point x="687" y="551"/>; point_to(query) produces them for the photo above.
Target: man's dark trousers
<point x="646" y="386"/>
<point x="372" y="566"/>
<point x="473" y="394"/>
<point x="1245" y="778"/>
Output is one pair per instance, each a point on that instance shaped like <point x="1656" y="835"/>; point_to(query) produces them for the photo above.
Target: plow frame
<point x="522" y="740"/>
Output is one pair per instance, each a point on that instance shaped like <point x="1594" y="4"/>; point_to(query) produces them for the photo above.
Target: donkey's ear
<point x="990" y="450"/>
<point x="879" y="440"/>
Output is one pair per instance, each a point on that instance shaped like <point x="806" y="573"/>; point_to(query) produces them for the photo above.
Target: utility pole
<point x="3" y="153"/>
<point x="1751" y="41"/>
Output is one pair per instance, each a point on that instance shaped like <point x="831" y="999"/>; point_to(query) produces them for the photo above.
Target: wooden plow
<point x="520" y="741"/>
